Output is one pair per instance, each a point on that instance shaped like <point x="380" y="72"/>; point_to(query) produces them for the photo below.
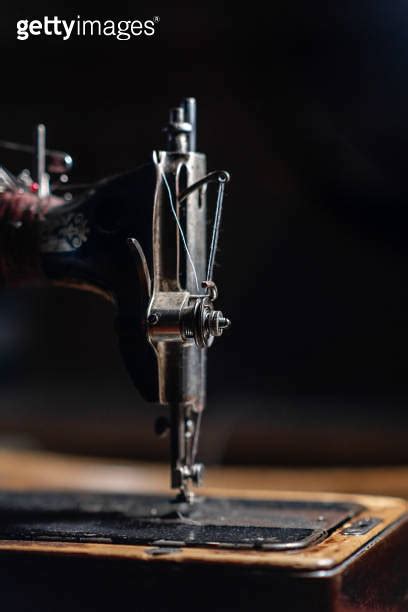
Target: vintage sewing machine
<point x="140" y="241"/>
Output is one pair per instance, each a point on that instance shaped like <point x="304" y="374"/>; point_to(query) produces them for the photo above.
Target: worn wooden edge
<point x="326" y="555"/>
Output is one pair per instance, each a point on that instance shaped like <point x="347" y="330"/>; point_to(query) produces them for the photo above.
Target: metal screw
<point x="198" y="473"/>
<point x="218" y="323"/>
<point x="189" y="429"/>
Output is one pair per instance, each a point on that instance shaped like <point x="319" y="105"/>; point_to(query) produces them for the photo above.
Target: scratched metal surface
<point x="154" y="520"/>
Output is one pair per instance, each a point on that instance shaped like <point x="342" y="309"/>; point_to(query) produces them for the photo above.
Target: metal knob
<point x="177" y="131"/>
<point x="217" y="323"/>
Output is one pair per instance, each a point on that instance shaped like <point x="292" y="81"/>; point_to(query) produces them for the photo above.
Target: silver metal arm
<point x="182" y="321"/>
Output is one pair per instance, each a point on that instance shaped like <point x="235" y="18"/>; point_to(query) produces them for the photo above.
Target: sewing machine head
<point x="140" y="240"/>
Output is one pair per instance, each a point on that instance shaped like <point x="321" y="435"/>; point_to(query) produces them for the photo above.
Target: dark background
<point x="306" y="105"/>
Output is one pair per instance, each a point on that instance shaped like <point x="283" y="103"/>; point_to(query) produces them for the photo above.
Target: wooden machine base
<point x="362" y="564"/>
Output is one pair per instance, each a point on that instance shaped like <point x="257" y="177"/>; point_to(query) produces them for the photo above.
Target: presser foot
<point x="184" y="496"/>
<point x="193" y="474"/>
